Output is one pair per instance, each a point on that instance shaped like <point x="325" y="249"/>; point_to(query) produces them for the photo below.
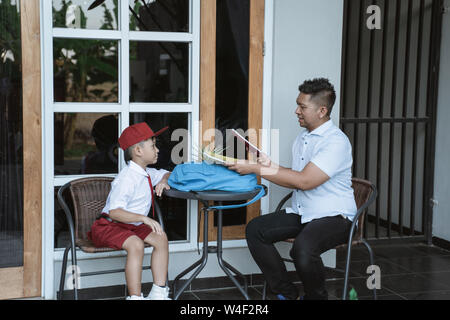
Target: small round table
<point x="204" y="197"/>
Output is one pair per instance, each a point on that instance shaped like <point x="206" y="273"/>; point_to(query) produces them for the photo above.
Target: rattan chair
<point x="365" y="193"/>
<point x="88" y="198"/>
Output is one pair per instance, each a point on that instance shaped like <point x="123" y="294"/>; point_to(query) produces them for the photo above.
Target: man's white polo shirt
<point x="330" y="150"/>
<point x="130" y="190"/>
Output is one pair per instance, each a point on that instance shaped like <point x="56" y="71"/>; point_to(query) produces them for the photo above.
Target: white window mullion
<point x="74" y="107"/>
<point x="194" y="67"/>
<point x="160" y="36"/>
<point x="124" y="72"/>
<point x="48" y="152"/>
<point x="161" y="107"/>
<point x="86" y="34"/>
<point x="194" y="94"/>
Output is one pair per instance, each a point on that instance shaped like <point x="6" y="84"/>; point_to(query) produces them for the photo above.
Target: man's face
<point x="307" y="112"/>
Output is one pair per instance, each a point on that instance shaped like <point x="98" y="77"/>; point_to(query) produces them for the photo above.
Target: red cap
<point x="137" y="133"/>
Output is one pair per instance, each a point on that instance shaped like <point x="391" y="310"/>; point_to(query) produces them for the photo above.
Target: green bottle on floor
<point x="353" y="295"/>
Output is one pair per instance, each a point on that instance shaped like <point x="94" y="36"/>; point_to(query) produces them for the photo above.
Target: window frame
<point x="123" y="108"/>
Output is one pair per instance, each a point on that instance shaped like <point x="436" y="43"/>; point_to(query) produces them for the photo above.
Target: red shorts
<point x="106" y="234"/>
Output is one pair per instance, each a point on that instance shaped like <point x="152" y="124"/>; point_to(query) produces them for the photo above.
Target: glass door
<point x="20" y="150"/>
<point x="232" y="57"/>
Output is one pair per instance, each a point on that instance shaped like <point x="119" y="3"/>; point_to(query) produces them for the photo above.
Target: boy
<point x="124" y="223"/>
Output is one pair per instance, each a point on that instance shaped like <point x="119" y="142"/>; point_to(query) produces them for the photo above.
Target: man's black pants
<point x="311" y="240"/>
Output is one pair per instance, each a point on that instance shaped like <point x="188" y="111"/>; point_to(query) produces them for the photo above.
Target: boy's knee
<point x="134" y="245"/>
<point x="158" y="240"/>
<point x="163" y="240"/>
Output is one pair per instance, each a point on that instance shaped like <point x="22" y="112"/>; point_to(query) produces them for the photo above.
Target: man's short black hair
<point x="322" y="92"/>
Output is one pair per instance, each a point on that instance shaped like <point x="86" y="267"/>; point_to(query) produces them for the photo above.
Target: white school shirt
<point x="330" y="150"/>
<point x="130" y="190"/>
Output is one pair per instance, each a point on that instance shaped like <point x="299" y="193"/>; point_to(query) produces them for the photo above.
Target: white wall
<point x="441" y="217"/>
<point x="307" y="44"/>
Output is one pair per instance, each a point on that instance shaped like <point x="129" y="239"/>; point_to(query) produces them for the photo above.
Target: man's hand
<point x="156" y="227"/>
<point x="264" y="160"/>
<point x="243" y="167"/>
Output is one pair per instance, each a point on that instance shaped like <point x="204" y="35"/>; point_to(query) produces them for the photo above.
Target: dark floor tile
<point x="257" y="280"/>
<point x="430" y="250"/>
<point x="358" y="253"/>
<point x="226" y="294"/>
<point x="441" y="277"/>
<point x="359" y="268"/>
<point x="423" y="263"/>
<point x="188" y="296"/>
<point x="410" y="283"/>
<point x="219" y="282"/>
<point x="273" y="296"/>
<point x="383" y="297"/>
<point x="339" y="272"/>
<point x="336" y="288"/>
<point x="396" y="251"/>
<point x="431" y="295"/>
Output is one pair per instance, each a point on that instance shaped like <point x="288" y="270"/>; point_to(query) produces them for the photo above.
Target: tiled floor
<point x="408" y="272"/>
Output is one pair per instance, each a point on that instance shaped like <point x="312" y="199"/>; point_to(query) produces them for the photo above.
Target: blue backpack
<point x="206" y="177"/>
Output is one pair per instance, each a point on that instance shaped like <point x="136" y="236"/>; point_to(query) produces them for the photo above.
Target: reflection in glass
<point x="85" y="70"/>
<point x="159" y="15"/>
<point x="174" y="210"/>
<point x="75" y="14"/>
<point x="159" y="72"/>
<point x="232" y="63"/>
<point x="85" y="143"/>
<point x="11" y="148"/>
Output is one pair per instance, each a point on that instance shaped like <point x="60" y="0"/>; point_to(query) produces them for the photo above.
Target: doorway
<point x="389" y="100"/>
<point x="231" y="83"/>
<point x="20" y="147"/>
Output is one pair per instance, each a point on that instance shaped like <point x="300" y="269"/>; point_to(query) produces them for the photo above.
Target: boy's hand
<point x="163" y="185"/>
<point x="160" y="187"/>
<point x="156" y="227"/>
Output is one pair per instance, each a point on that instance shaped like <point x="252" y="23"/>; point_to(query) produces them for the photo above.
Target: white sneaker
<point x="158" y="293"/>
<point x="133" y="297"/>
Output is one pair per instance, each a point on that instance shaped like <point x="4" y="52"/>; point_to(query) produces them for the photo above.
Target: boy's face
<point x="148" y="152"/>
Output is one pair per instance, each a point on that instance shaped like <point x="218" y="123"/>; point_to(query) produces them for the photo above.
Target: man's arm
<point x="309" y="178"/>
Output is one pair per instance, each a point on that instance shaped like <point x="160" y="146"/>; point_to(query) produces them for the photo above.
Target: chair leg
<point x="63" y="273"/>
<point x="372" y="263"/>
<point x="75" y="273"/>
<point x="347" y="271"/>
<point x="264" y="293"/>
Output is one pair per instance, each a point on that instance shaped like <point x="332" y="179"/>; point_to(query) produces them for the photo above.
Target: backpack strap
<point x="260" y="194"/>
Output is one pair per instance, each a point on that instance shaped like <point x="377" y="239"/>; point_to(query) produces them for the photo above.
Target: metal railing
<point x="388" y="109"/>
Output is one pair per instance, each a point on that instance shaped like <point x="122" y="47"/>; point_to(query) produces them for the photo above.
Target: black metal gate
<point x="388" y="108"/>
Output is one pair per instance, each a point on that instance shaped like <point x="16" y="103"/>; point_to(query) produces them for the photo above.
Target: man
<point x="323" y="205"/>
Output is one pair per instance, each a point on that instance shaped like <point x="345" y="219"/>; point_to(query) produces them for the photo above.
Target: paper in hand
<point x="248" y="145"/>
